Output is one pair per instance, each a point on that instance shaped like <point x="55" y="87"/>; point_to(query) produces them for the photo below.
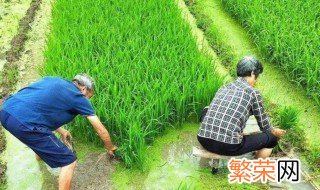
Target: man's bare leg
<point x="38" y="157"/>
<point x="263" y="153"/>
<point x="65" y="177"/>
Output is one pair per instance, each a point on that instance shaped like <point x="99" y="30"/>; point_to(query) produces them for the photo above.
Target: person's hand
<point x="279" y="133"/>
<point x="112" y="151"/>
<point x="66" y="137"/>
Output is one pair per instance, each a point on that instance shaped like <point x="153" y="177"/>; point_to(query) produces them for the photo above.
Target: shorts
<point x="249" y="143"/>
<point x="41" y="140"/>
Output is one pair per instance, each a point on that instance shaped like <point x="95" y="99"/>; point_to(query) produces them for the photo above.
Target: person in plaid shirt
<point x="223" y="122"/>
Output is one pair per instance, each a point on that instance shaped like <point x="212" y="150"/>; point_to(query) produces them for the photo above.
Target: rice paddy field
<point x="287" y="32"/>
<point x="149" y="74"/>
<point x="154" y="74"/>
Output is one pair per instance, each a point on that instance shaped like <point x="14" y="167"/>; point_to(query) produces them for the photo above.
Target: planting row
<point x="287" y="32"/>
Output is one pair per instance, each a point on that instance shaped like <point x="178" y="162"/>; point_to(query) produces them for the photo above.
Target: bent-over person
<point x="223" y="122"/>
<point x="44" y="106"/>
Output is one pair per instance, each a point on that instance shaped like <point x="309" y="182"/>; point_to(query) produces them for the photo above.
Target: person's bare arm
<point x="64" y="133"/>
<point x="103" y="133"/>
<point x="61" y="130"/>
<point x="262" y="118"/>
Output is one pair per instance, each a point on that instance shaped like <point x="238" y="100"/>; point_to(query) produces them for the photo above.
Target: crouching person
<point x="223" y="122"/>
<point x="35" y="111"/>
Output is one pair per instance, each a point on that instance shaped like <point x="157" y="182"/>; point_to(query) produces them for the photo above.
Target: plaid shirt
<point x="229" y="111"/>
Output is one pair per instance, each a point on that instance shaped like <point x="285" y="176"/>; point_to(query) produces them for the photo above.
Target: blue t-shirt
<point x="50" y="102"/>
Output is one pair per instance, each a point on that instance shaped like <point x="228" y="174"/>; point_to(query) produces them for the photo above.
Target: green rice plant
<point x="287" y="32"/>
<point x="288" y="117"/>
<point x="312" y="156"/>
<point x="185" y="185"/>
<point x="148" y="71"/>
<point x="203" y="21"/>
<point x="214" y="37"/>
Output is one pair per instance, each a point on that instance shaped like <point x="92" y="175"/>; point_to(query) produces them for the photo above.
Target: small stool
<point x="203" y="153"/>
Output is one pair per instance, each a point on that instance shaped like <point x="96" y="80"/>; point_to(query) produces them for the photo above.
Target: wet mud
<point x="94" y="174"/>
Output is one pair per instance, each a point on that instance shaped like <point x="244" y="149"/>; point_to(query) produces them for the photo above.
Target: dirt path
<point x="13" y="54"/>
<point x="10" y="14"/>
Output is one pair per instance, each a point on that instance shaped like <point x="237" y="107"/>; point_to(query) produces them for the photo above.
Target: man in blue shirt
<point x="35" y="111"/>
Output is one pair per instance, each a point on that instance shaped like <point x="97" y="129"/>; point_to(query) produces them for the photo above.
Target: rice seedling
<point x="148" y="71"/>
<point x="287" y="32"/>
<point x="185" y="186"/>
<point x="288" y="117"/>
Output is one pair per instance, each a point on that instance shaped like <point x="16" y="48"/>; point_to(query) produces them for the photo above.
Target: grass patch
<point x="8" y="79"/>
<point x="312" y="156"/>
<point x="185" y="185"/>
<point x="3" y="165"/>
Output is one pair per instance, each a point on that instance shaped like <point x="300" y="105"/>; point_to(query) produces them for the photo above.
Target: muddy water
<point x="91" y="174"/>
<point x="94" y="173"/>
<point x="181" y="166"/>
<point x="303" y="185"/>
<point x="23" y="171"/>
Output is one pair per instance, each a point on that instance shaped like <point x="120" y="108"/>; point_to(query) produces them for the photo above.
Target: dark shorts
<point x="249" y="143"/>
<point x="41" y="140"/>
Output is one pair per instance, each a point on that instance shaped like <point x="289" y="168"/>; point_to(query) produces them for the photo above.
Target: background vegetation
<point x="287" y="32"/>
